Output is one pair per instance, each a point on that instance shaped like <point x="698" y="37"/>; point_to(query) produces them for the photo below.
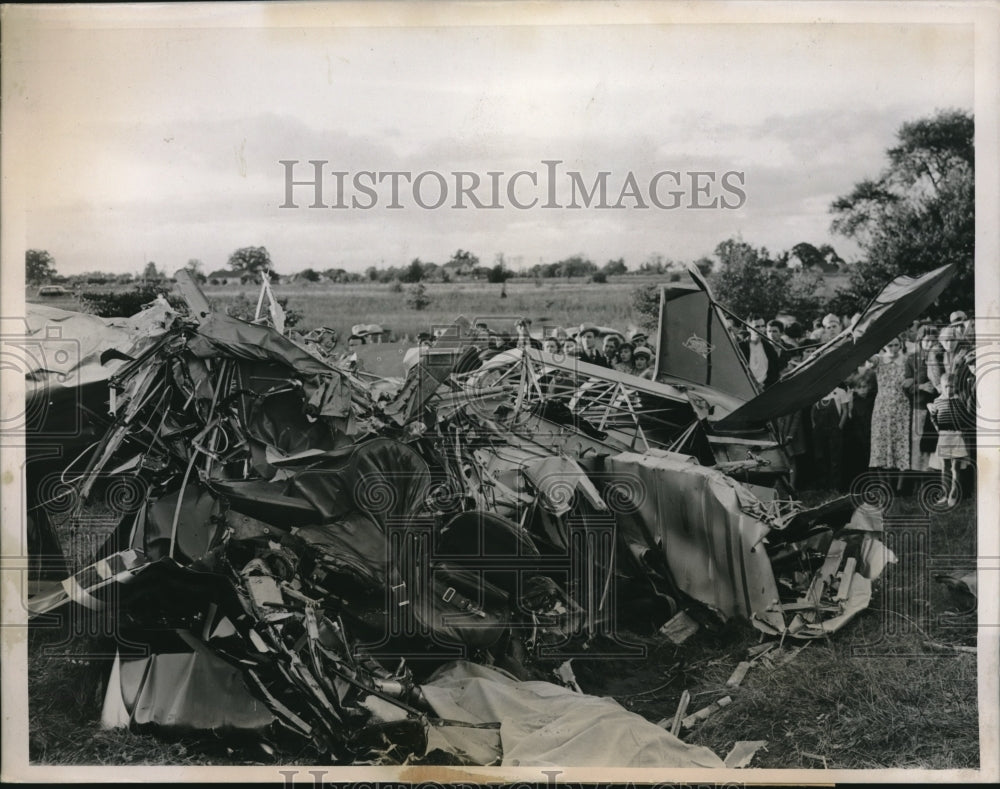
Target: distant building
<point x="225" y="277"/>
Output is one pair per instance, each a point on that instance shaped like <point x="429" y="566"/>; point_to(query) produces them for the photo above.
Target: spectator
<point x="625" y="363"/>
<point x="570" y="348"/>
<point x="761" y="358"/>
<point x="956" y="444"/>
<point x="920" y="391"/>
<point x="642" y="359"/>
<point x="550" y="345"/>
<point x="794" y="335"/>
<point x="775" y="333"/>
<point x="890" y="447"/>
<point x="829" y="417"/>
<point x="523" y="338"/>
<point x="350" y="360"/>
<point x="588" y="347"/>
<point x="610" y="348"/>
<point x="831" y="327"/>
<point x="639" y="338"/>
<point x="858" y="431"/>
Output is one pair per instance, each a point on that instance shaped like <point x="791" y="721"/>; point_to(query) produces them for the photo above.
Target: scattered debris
<point x="743" y="752"/>
<point x="706" y="712"/>
<point x="679" y="628"/>
<point x="321" y="557"/>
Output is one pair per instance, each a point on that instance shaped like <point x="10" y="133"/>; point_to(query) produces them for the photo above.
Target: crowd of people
<point x="627" y="352"/>
<point x="909" y="408"/>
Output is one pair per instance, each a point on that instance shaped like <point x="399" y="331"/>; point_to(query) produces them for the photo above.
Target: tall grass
<point x="561" y="303"/>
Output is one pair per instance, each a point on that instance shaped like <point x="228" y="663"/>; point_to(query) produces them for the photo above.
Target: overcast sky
<point x="148" y="140"/>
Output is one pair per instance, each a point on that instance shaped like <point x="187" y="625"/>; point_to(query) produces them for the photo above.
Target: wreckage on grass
<point x="402" y="572"/>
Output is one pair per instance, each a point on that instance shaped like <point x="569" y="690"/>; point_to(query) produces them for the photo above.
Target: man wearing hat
<point x="588" y="347"/>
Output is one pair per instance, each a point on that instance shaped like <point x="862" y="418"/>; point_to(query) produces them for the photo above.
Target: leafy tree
<point x="465" y="258"/>
<point x="125" y="303"/>
<point x="614" y="267"/>
<point x="918" y="214"/>
<point x="414" y="272"/>
<point x="309" y="275"/>
<point x="746" y="286"/>
<point x="599" y="277"/>
<point x="150" y="272"/>
<point x="39" y="266"/>
<point x="196" y="267"/>
<point x="250" y="261"/>
<point x="704" y="265"/>
<point x="576" y="266"/>
<point x="498" y="273"/>
<point x="802" y="295"/>
<point x="417" y="298"/>
<point x="646" y="305"/>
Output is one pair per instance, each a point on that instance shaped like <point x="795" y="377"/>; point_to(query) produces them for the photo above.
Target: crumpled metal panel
<point x="690" y="513"/>
<point x="899" y="302"/>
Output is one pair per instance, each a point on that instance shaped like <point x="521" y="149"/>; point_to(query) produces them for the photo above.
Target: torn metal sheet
<point x="691" y="515"/>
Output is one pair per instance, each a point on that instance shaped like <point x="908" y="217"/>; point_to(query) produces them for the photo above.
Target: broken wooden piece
<point x="706" y="712"/>
<point x="736" y="678"/>
<point x="682" y="706"/>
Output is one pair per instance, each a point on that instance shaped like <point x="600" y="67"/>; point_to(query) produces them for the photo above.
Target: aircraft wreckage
<point x="399" y="571"/>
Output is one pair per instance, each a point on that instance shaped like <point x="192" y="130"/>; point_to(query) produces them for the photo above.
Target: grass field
<point x="886" y="691"/>
<point x="558" y="302"/>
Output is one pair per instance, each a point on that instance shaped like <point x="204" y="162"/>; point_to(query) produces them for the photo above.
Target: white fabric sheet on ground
<point x="545" y="724"/>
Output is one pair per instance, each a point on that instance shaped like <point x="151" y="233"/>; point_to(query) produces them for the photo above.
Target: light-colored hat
<point x="958" y="317"/>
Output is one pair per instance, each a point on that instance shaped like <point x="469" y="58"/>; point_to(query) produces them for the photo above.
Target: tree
<point x="414" y="272"/>
<point x="250" y="261"/>
<point x="576" y="266"/>
<point x="150" y="272"/>
<point x="39" y="266"/>
<point x="744" y="284"/>
<point x="918" y="214"/>
<point x="498" y="273"/>
<point x="646" y="304"/>
<point x="309" y="275"/>
<point x="614" y="267"/>
<point x="464" y="260"/>
<point x="704" y="265"/>
<point x="417" y="299"/>
<point x="196" y="268"/>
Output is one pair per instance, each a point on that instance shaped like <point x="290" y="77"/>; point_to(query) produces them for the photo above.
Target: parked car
<point x="52" y="291"/>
